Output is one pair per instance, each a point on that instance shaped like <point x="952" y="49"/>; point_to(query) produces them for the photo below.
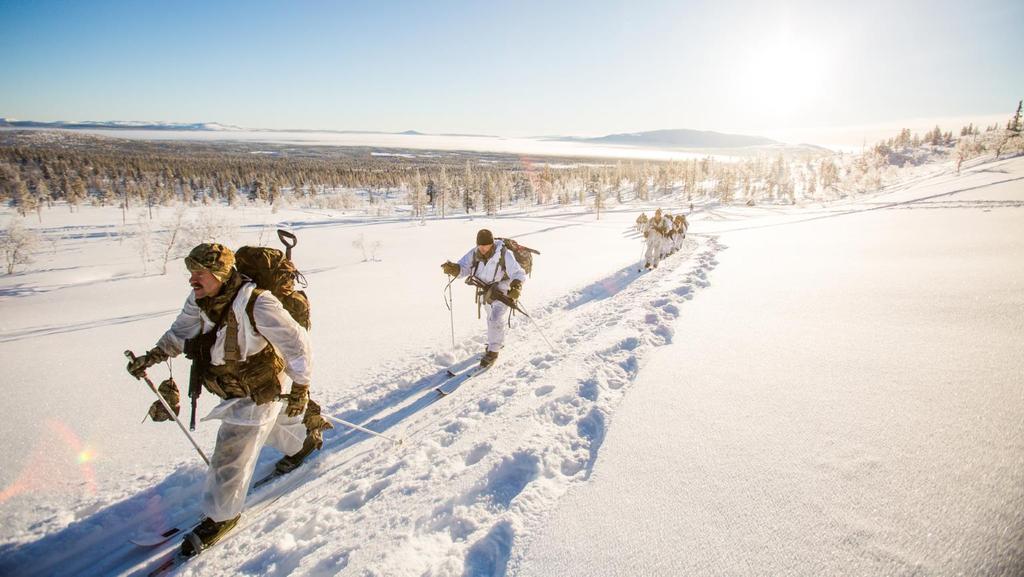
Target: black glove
<point x="515" y="289"/>
<point x="297" y="400"/>
<point x="451" y="269"/>
<point x="137" y="366"/>
<point x="169" y="391"/>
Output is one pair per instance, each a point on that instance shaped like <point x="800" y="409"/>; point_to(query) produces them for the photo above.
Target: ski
<point x="176" y="558"/>
<point x="455" y="380"/>
<point x="156" y="539"/>
<point x="167" y="565"/>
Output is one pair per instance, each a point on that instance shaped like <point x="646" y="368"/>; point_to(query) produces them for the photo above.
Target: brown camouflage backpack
<point x="274" y="271"/>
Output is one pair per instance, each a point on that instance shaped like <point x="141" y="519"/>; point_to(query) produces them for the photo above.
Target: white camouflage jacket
<point x="276" y="327"/>
<point x="490" y="270"/>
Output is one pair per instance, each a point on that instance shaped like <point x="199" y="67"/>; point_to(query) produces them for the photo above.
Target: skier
<point x="490" y="267"/>
<point x="655" y="238"/>
<point x="681" y="226"/>
<point x="641" y="223"/>
<point x="250" y="342"/>
<point x="669" y="242"/>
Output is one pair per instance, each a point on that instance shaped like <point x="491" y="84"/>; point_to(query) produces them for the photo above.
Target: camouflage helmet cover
<point x="214" y="257"/>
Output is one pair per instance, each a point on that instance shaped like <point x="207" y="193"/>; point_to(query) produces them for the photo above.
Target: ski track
<point x="504" y="446"/>
<point x="381" y="510"/>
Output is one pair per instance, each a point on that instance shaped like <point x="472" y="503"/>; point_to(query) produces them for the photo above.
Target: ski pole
<point x="163" y="402"/>
<point x="449" y="301"/>
<point x="535" y="325"/>
<point x="358" y="428"/>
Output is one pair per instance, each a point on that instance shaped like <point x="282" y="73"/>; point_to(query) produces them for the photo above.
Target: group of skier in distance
<point x="663" y="233"/>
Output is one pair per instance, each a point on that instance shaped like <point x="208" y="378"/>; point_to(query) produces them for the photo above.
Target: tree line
<point x="39" y="169"/>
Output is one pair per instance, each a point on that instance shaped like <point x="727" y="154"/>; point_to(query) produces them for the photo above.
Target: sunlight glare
<point x="785" y="76"/>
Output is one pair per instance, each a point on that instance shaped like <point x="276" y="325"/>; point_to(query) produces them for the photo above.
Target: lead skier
<point x="490" y="267"/>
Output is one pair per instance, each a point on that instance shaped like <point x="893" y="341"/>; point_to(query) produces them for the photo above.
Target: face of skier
<point x="203" y="283"/>
<point x="485" y="249"/>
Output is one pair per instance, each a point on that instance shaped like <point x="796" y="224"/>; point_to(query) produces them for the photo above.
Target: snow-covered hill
<point x="479" y="485"/>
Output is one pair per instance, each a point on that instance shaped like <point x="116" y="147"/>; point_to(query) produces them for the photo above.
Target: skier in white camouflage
<point x="491" y="268"/>
<point x="248" y="342"/>
<point x="656" y="239"/>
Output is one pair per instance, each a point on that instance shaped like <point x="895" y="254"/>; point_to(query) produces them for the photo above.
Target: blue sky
<point x="511" y="68"/>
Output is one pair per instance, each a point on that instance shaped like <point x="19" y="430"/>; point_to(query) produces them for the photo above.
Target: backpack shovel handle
<point x="285" y="237"/>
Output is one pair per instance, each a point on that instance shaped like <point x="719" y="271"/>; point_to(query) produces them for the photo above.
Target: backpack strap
<point x="251" y="306"/>
<point x="501" y="262"/>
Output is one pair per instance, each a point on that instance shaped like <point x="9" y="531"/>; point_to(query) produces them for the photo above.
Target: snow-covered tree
<point x="24" y="200"/>
<point x="417" y="196"/>
<point x="18" y="243"/>
<point x="594" y="189"/>
<point x="444" y="186"/>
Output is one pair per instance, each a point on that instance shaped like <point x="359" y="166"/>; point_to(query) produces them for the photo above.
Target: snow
<point x="818" y="390"/>
<point x="854" y="408"/>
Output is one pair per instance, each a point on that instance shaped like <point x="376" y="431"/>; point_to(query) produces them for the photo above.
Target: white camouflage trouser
<point x="497" y="319"/>
<point x="245" y="428"/>
<point x="654" y="250"/>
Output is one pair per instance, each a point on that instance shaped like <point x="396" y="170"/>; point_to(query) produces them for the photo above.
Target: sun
<point x="784" y="76"/>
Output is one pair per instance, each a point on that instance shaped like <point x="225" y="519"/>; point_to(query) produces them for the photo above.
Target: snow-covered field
<point x="819" y="390"/>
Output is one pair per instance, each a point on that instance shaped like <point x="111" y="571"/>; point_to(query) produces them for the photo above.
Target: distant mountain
<point x="118" y="125"/>
<point x="664" y="139"/>
<point x="678" y="138"/>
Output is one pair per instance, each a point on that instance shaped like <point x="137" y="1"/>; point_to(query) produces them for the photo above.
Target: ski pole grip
<point x="167" y="407"/>
<point x="131" y="356"/>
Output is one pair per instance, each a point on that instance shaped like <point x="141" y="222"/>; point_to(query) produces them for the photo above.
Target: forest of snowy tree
<point x="40" y="169"/>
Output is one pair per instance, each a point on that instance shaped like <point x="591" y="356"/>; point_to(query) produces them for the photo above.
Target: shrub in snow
<point x="210" y="225"/>
<point x="362" y="244"/>
<point x="18" y="243"/>
<point x="143" y="238"/>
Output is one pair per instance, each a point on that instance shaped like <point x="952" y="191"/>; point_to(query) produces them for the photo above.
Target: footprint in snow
<point x="509" y="477"/>
<point x="356" y="499"/>
<point x="477" y="453"/>
<point x="590" y="389"/>
<point x="544" y="390"/>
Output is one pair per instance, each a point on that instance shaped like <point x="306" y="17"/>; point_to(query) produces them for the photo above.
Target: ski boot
<point x="488" y="359"/>
<point x="206" y="534"/>
<point x="289" y="463"/>
<point x="315" y="427"/>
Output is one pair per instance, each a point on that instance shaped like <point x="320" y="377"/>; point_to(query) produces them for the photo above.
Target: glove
<point x="515" y="289"/>
<point x="451" y="269"/>
<point x="169" y="391"/>
<point x="137" y="366"/>
<point x="297" y="400"/>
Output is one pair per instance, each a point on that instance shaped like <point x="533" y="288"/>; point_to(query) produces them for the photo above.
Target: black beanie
<point x="484" y="237"/>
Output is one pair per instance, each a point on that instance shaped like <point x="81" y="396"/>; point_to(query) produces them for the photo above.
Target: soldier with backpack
<point x="494" y="269"/>
<point x="242" y="341"/>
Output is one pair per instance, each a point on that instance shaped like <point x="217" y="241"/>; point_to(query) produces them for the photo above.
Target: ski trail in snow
<point x="481" y="467"/>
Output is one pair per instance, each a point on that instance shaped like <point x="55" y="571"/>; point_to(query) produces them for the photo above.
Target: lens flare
<point x="49" y="469"/>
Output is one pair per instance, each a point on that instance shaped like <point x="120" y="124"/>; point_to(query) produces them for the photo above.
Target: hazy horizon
<point x="833" y="137"/>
